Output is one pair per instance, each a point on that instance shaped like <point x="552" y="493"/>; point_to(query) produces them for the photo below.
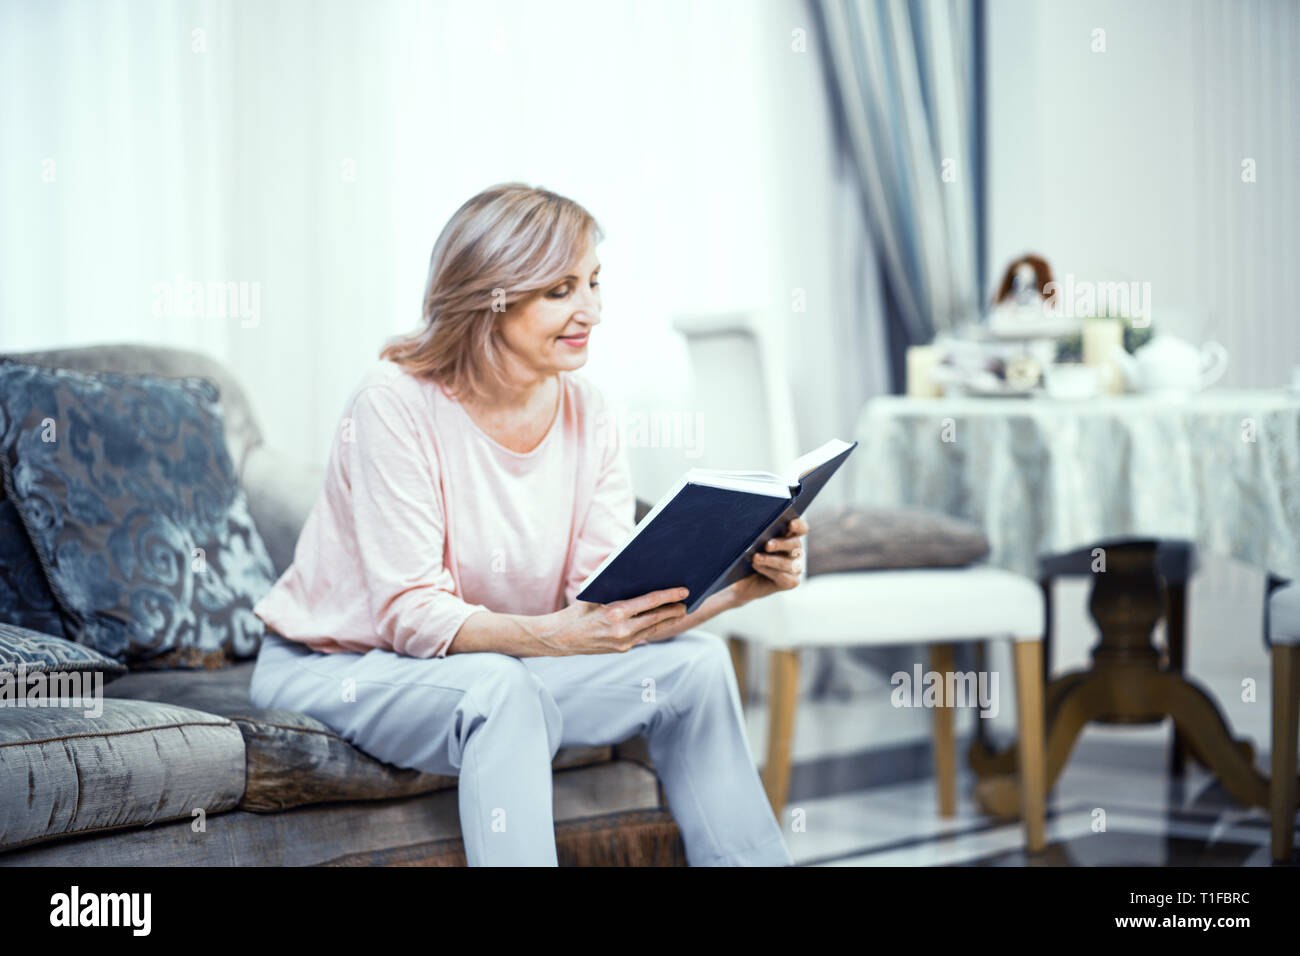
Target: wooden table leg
<point x="987" y="762"/>
<point x="1126" y="685"/>
<point x="1286" y="727"/>
<point x="999" y="793"/>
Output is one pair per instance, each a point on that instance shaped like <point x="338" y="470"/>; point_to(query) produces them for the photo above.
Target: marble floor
<point x="1099" y="815"/>
<point x="862" y="790"/>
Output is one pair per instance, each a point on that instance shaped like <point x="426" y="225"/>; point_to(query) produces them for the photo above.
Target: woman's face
<point x="548" y="333"/>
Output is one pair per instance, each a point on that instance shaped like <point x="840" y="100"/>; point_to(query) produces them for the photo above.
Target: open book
<point x="703" y="533"/>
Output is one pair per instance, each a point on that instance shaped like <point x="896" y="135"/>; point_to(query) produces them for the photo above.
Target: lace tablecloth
<point x="1221" y="469"/>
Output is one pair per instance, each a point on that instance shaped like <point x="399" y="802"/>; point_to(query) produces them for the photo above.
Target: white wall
<point x="1127" y="164"/>
<point x="316" y="148"/>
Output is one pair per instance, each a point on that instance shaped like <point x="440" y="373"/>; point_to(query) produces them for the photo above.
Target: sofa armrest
<point x="281" y="491"/>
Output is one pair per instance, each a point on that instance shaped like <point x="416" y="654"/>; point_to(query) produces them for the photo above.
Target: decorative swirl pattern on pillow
<point x="25" y="597"/>
<point x="129" y="498"/>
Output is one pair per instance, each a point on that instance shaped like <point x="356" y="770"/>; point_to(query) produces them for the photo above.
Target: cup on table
<point x="1072" y="381"/>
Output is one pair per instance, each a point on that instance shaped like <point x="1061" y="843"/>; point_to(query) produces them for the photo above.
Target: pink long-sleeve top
<point x="424" y="519"/>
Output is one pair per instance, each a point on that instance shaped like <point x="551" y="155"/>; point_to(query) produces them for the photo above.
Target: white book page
<point x="754" y="475"/>
<point x="814" y="459"/>
<point x="755" y="483"/>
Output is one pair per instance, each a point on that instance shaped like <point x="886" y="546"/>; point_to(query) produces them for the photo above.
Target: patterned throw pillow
<point x="129" y="496"/>
<point x="38" y="652"/>
<point x="25" y="597"/>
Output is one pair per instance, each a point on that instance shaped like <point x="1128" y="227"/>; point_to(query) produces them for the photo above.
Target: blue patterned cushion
<point x="25" y="597"/>
<point x="129" y="496"/>
<point x="44" y="652"/>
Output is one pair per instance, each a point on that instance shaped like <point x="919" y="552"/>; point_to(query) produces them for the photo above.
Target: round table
<point x="1220" y="470"/>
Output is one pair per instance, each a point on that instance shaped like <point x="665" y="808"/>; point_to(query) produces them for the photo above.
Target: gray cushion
<point x="46" y="654"/>
<point x="63" y="772"/>
<point x="373" y="833"/>
<point x="1284" y="615"/>
<point x="128" y="494"/>
<point x="866" y="539"/>
<point x="293" y="759"/>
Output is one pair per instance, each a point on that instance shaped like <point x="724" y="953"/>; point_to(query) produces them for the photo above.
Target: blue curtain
<point x="905" y="81"/>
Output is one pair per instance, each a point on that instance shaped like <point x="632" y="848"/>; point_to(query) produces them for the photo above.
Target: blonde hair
<point x="502" y="248"/>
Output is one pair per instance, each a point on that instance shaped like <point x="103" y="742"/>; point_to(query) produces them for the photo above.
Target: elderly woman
<point x="429" y="615"/>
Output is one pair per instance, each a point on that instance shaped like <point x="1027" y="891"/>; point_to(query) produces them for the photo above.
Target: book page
<point x="814" y="459"/>
<point x="757" y="483"/>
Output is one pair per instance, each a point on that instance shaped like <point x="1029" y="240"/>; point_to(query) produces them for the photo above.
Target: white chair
<point x="1284" y="641"/>
<point x="741" y="389"/>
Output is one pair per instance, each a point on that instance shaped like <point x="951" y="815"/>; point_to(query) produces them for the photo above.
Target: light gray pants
<point x="496" y="721"/>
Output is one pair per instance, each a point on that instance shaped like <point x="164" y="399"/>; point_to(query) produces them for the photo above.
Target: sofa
<point x="182" y="769"/>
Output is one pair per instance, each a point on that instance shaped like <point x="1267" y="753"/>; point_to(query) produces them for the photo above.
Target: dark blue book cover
<point x="702" y="537"/>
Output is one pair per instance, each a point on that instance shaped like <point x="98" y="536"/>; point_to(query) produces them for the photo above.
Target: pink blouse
<point x="424" y="519"/>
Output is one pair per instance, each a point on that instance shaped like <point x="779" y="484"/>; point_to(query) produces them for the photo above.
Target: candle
<point x="1100" y="339"/>
<point x="920" y="360"/>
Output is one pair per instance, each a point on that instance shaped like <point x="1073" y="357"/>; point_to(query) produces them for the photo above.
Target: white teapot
<point x="1170" y="366"/>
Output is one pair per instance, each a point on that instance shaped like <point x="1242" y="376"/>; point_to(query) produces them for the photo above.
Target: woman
<point x="429" y="614"/>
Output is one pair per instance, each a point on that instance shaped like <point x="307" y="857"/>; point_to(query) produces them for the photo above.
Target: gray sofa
<point x="182" y="769"/>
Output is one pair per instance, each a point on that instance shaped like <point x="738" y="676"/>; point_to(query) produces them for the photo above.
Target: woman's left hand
<point x="779" y="565"/>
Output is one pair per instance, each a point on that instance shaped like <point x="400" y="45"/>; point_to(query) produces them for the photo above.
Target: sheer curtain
<point x="310" y="150"/>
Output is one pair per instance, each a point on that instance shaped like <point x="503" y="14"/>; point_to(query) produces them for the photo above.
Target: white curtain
<point x="312" y="149"/>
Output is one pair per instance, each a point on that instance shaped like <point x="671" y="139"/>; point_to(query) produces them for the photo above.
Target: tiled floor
<point x="862" y="791"/>
<point x="1099" y="816"/>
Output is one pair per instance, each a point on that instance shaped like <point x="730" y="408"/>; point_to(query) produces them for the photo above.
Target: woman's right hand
<point x="586" y="628"/>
